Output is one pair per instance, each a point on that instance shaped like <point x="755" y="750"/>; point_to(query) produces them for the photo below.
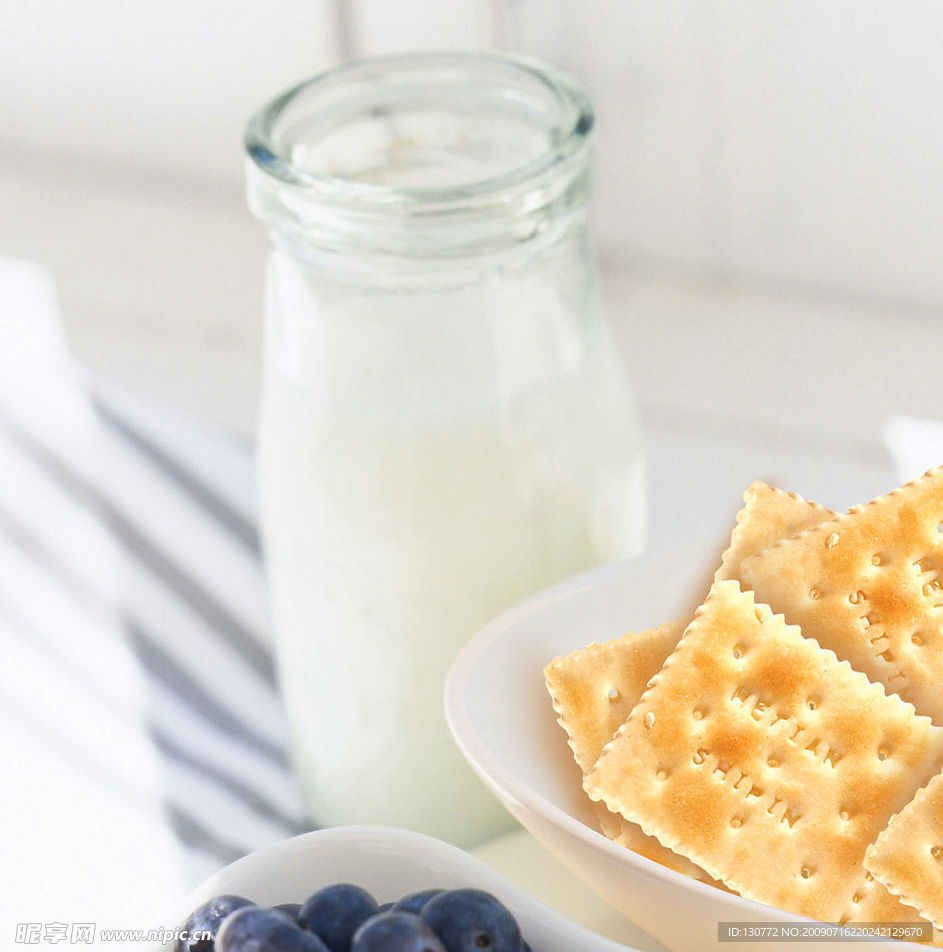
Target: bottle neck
<point x="500" y="231"/>
<point x="423" y="161"/>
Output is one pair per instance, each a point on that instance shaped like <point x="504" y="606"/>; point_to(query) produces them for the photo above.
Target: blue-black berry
<point x="471" y="920"/>
<point x="255" y="929"/>
<point x="206" y="919"/>
<point x="395" y="931"/>
<point x="334" y="914"/>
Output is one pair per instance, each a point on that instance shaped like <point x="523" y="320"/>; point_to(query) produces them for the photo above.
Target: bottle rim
<point x="273" y="134"/>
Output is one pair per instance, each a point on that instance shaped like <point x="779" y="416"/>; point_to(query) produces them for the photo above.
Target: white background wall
<point x="795" y="148"/>
<point x="791" y="141"/>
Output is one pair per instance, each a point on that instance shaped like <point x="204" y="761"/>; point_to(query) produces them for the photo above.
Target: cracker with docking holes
<point x="766" y="761"/>
<point x="907" y="857"/>
<point x="593" y="691"/>
<point x="869" y="586"/>
<point x="768" y="516"/>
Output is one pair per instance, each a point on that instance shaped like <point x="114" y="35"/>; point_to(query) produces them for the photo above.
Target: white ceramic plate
<point x="389" y="863"/>
<point x="500" y="715"/>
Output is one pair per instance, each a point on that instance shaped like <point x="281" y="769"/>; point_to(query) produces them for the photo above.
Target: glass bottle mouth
<point x="497" y="143"/>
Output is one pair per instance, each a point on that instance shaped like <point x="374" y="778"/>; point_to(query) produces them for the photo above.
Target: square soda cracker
<point x="595" y="688"/>
<point x="869" y="585"/>
<point x="907" y="858"/>
<point x="768" y="516"/>
<point x="593" y="691"/>
<point x="769" y="763"/>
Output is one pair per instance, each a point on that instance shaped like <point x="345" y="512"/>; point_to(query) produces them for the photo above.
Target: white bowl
<point x="501" y="717"/>
<point x="389" y="863"/>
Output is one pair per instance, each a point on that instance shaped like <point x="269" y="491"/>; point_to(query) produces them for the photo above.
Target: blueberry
<point x="395" y="931"/>
<point x="207" y="918"/>
<point x="290" y="909"/>
<point x="256" y="929"/>
<point x="415" y="901"/>
<point x="471" y="920"/>
<point x="334" y="913"/>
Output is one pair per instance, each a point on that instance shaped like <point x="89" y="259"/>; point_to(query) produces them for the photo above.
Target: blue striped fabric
<point x="139" y="712"/>
<point x="179" y="498"/>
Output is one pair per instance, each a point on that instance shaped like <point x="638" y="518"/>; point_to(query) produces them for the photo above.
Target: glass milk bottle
<point x="445" y="426"/>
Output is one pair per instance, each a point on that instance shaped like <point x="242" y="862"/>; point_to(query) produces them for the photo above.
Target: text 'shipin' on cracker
<point x="595" y="688"/>
<point x="769" y="763"/>
<point x="869" y="586"/>
<point x="907" y="857"/>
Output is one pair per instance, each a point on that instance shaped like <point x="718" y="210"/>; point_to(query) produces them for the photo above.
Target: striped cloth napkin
<point x="139" y="720"/>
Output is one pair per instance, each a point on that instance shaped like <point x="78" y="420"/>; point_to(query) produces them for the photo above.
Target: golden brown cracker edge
<point x="765" y="760"/>
<point x="869" y="584"/>
<point x="907" y="857"/>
